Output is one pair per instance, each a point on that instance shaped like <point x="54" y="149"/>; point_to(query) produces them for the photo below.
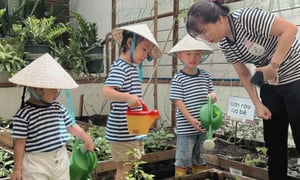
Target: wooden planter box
<point x="214" y="174"/>
<point x="109" y="165"/>
<point x="225" y="164"/>
<point x="5" y="138"/>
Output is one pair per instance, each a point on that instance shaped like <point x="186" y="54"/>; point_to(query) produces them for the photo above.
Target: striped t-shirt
<point x="254" y="44"/>
<point x="193" y="91"/>
<point x="43" y="127"/>
<point x="124" y="78"/>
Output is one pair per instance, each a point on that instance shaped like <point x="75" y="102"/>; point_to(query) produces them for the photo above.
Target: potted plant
<point x="10" y="58"/>
<point x="90" y="43"/>
<point x="70" y="56"/>
<point x="38" y="35"/>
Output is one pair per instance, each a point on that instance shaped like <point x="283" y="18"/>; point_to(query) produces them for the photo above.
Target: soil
<point x="96" y="119"/>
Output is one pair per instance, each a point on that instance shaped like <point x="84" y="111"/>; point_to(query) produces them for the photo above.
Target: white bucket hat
<point x="142" y="30"/>
<point x="188" y="43"/>
<point x="44" y="72"/>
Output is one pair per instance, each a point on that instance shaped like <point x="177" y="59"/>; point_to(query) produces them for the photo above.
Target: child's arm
<point x="19" y="151"/>
<point x="81" y="134"/>
<point x="182" y="108"/>
<point x="109" y="92"/>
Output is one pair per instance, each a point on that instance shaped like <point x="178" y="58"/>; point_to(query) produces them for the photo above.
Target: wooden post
<point x="174" y="59"/>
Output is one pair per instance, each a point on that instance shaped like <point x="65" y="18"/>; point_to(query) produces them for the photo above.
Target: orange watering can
<point x="139" y="122"/>
<point x="211" y="119"/>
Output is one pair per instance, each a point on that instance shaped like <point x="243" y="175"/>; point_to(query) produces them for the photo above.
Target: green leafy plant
<point x="137" y="172"/>
<point x="102" y="149"/>
<point x="158" y="140"/>
<point x="260" y="160"/>
<point x="87" y="32"/>
<point x="10" y="56"/>
<point x="34" y="31"/>
<point x="71" y="56"/>
<point x="6" y="164"/>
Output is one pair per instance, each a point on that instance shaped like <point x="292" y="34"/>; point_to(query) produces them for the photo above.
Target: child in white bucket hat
<point x="123" y="88"/>
<point x="189" y="90"/>
<point x="41" y="125"/>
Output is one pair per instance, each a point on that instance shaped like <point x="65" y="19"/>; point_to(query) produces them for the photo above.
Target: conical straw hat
<point x="188" y="43"/>
<point x="142" y="30"/>
<point x="44" y="72"/>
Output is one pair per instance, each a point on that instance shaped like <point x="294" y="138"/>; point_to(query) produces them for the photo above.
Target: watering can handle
<point x="144" y="106"/>
<point x="210" y="108"/>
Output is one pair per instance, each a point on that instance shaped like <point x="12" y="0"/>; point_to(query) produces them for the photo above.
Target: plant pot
<point x="34" y="51"/>
<point x="4" y="76"/>
<point x="94" y="62"/>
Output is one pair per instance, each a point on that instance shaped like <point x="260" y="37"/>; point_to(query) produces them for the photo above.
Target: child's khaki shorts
<point x="119" y="150"/>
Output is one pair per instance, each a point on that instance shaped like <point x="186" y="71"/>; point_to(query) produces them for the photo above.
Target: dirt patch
<point x="96" y="119"/>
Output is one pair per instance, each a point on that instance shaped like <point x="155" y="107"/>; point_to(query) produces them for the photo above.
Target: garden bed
<point x="213" y="174"/>
<point x="227" y="157"/>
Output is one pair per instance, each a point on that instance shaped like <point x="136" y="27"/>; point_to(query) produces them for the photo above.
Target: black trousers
<point x="284" y="104"/>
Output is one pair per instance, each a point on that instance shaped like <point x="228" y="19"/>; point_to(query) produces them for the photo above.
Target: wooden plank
<point x="213" y="174"/>
<point x="226" y="164"/>
<point x="109" y="165"/>
<point x="159" y="156"/>
<point x="5" y="138"/>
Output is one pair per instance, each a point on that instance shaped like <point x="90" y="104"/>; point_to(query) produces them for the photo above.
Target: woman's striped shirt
<point x="253" y="43"/>
<point x="193" y="91"/>
<point x="124" y="78"/>
<point x="43" y="127"/>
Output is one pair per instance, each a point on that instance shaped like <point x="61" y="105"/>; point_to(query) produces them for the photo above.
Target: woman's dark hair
<point x="204" y="11"/>
<point x="126" y="36"/>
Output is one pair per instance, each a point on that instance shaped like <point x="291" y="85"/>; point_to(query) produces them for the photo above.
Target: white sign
<point x="240" y="108"/>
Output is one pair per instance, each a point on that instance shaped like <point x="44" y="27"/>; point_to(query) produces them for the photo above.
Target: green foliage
<point x="34" y="31"/>
<point x="137" y="172"/>
<point x="102" y="149"/>
<point x="87" y="32"/>
<point x="260" y="160"/>
<point x="158" y="140"/>
<point x="71" y="56"/>
<point x="6" y="164"/>
<point x="10" y="56"/>
<point x="6" y="123"/>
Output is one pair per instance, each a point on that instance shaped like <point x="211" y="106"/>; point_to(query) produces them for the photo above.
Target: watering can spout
<point x="211" y="117"/>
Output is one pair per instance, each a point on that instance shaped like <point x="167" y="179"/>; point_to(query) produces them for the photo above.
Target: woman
<point x="252" y="35"/>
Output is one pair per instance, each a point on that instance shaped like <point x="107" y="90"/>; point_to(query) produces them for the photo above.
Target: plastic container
<point x="211" y="117"/>
<point x="139" y="122"/>
<point x="82" y="164"/>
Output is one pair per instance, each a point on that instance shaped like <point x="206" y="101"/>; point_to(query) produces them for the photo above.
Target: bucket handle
<point x="144" y="107"/>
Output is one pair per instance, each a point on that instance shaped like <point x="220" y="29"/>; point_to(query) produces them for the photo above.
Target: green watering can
<point x="211" y="119"/>
<point x="82" y="164"/>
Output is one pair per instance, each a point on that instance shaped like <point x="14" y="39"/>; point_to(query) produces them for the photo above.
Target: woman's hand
<point x="270" y="72"/>
<point x="263" y="112"/>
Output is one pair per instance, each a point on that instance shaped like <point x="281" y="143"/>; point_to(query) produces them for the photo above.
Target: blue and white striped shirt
<point x="124" y="77"/>
<point x="43" y="127"/>
<point x="253" y="43"/>
<point x="193" y="91"/>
